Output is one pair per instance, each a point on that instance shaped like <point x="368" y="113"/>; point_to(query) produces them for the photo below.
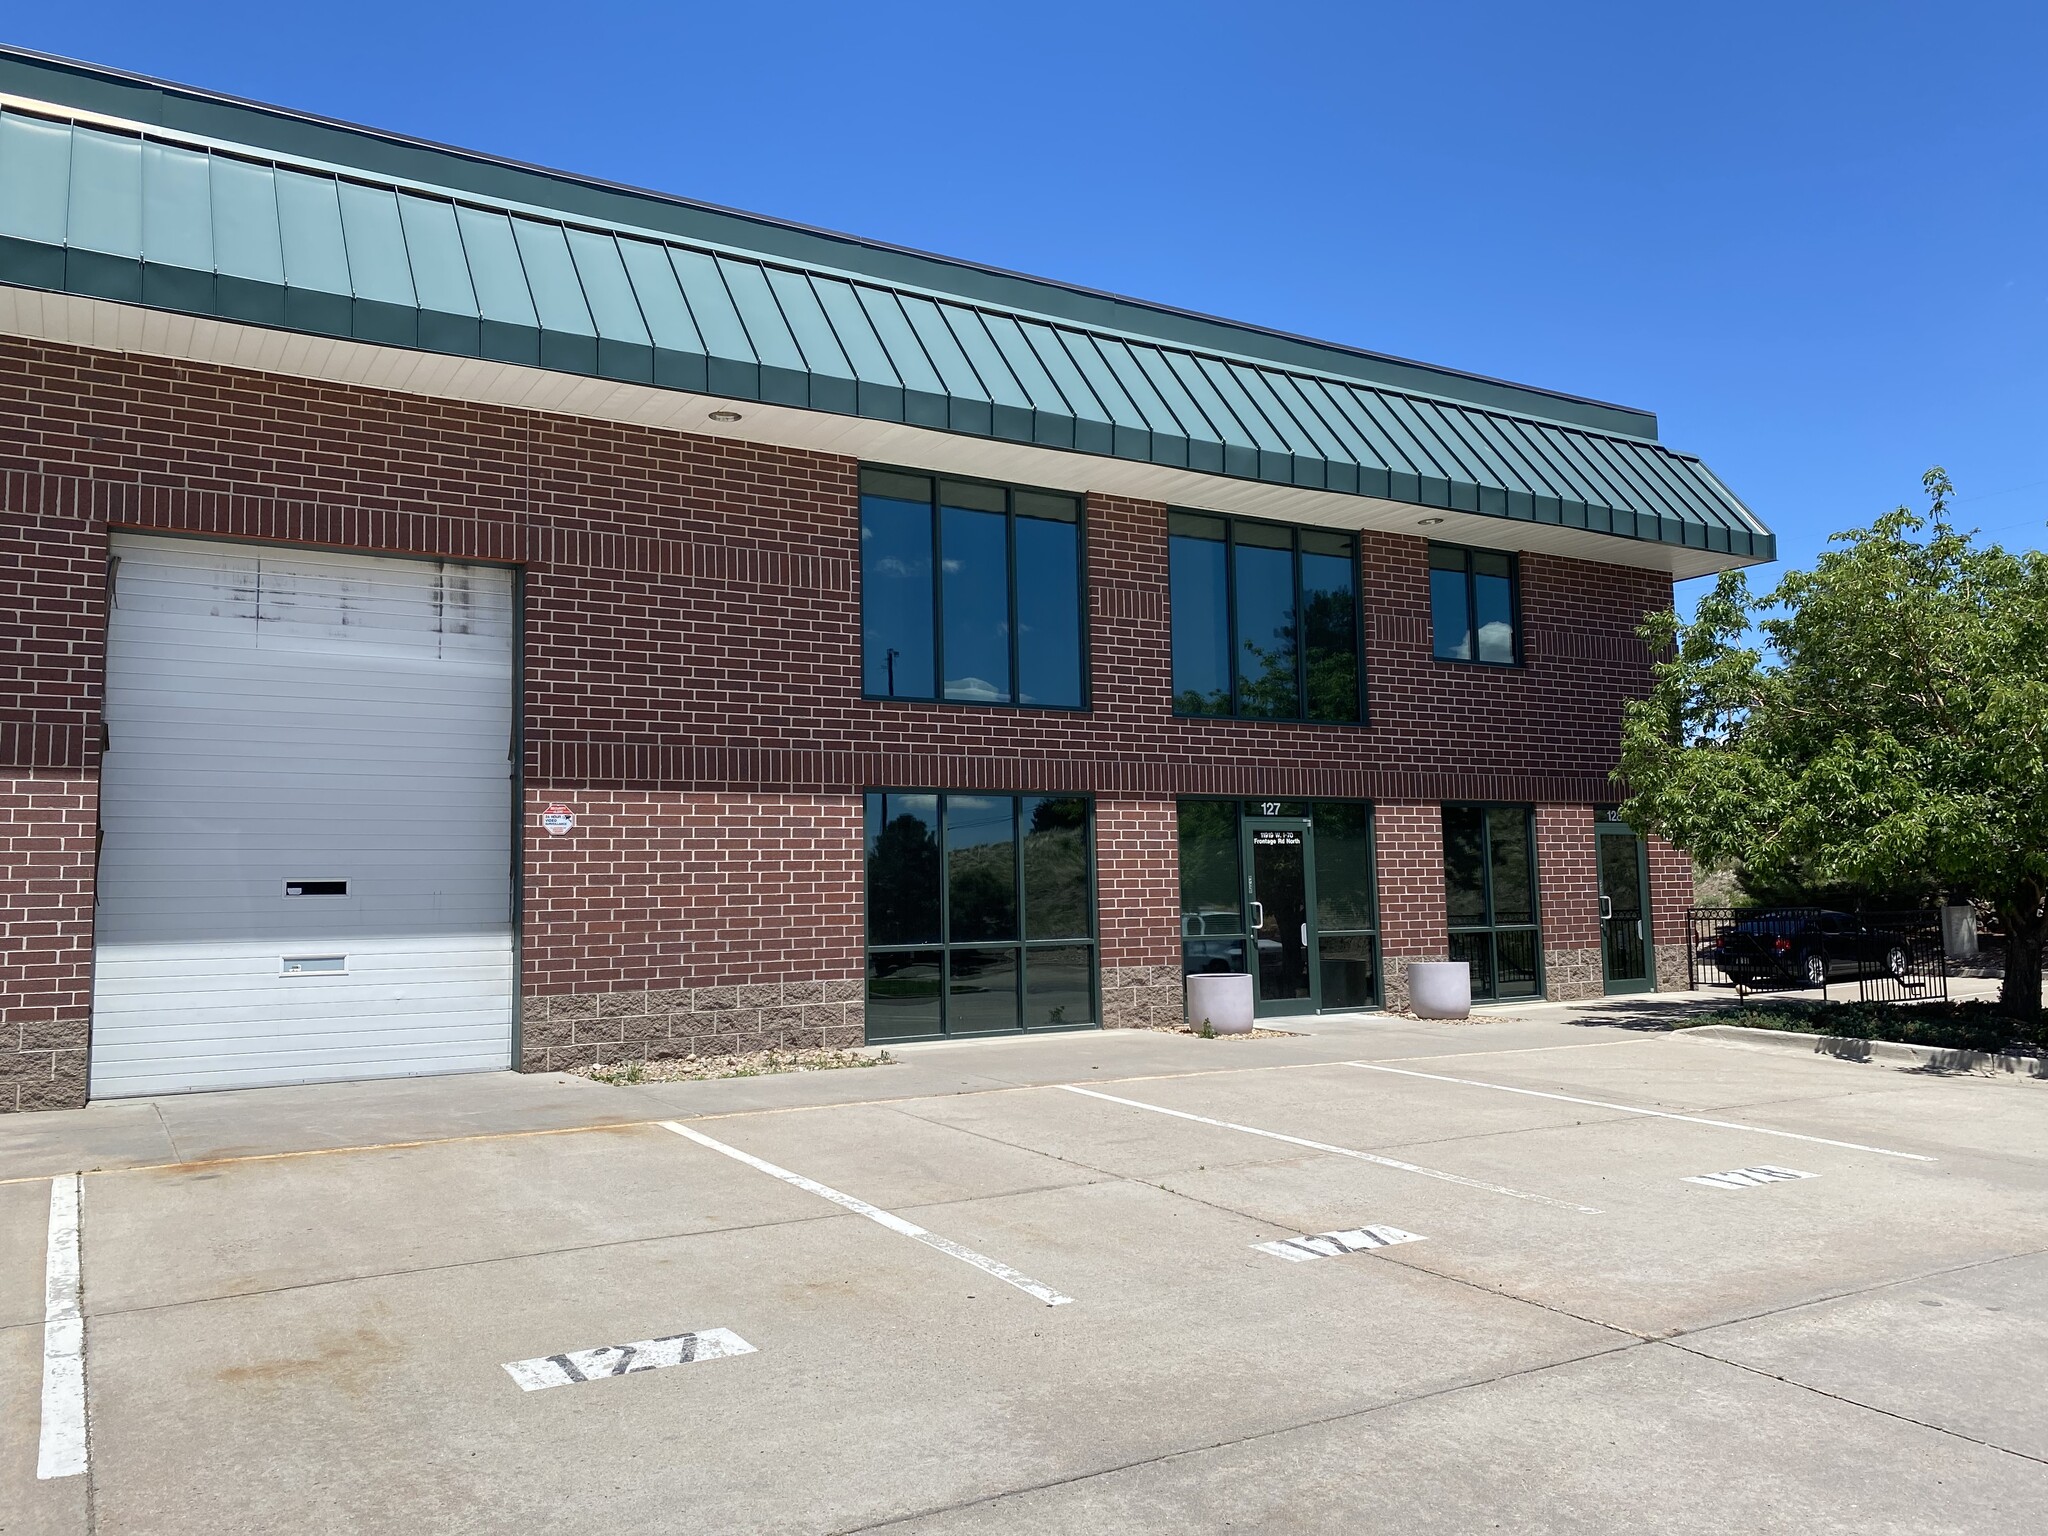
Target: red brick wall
<point x="1409" y="843"/>
<point x="1671" y="893"/>
<point x="692" y="616"/>
<point x="653" y="889"/>
<point x="692" y="612"/>
<point x="52" y="611"/>
<point x="1567" y="877"/>
<point x="1137" y="882"/>
<point x="47" y="833"/>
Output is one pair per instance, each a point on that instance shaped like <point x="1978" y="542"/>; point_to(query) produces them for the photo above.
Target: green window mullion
<point x="1472" y="644"/>
<point x="1485" y="816"/>
<point x="1359" y="701"/>
<point x="1230" y="604"/>
<point x="1300" y="638"/>
<point x="938" y="604"/>
<point x="1017" y="835"/>
<point x="1016" y="658"/>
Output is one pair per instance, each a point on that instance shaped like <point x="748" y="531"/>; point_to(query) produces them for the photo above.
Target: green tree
<point x="1880" y="720"/>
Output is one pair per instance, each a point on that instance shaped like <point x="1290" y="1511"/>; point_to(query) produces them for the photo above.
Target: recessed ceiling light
<point x="735" y="416"/>
<point x="1423" y="522"/>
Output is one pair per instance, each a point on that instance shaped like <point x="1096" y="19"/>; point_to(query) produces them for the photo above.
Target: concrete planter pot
<point x="1222" y="1002"/>
<point x="1440" y="989"/>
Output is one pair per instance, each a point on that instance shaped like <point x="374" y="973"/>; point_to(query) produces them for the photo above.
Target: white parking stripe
<point x="606" y="1360"/>
<point x="61" y="1450"/>
<point x="1324" y="1146"/>
<point x="1633" y="1109"/>
<point x="945" y="1245"/>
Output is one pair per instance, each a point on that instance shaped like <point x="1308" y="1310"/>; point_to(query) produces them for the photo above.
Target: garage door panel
<point x="279" y="715"/>
<point x="280" y="680"/>
<point x="369" y="979"/>
<point x="216" y="1074"/>
<point x="194" y="787"/>
<point x="373" y="908"/>
<point x="312" y="992"/>
<point x="294" y="1037"/>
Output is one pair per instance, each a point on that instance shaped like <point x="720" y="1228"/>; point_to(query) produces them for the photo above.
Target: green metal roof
<point x="215" y="226"/>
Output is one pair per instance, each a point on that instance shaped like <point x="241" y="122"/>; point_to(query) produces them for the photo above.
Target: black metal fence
<point x="1887" y="956"/>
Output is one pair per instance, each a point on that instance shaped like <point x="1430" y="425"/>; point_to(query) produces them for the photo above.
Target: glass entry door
<point x="1624" y="914"/>
<point x="1280" y="896"/>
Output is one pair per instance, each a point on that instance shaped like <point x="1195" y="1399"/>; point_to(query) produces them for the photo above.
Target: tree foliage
<point x="1880" y="720"/>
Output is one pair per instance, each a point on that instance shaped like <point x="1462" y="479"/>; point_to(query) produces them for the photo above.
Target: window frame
<point x="1083" y="608"/>
<point x="1492" y="928"/>
<point x="1467" y="551"/>
<point x="1231" y="521"/>
<point x="1021" y="945"/>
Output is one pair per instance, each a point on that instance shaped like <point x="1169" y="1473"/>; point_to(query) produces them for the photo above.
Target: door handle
<point x="1606" y="908"/>
<point x="1258" y="916"/>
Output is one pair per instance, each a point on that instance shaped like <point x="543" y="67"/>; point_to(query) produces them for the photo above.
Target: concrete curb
<point x="1845" y="1048"/>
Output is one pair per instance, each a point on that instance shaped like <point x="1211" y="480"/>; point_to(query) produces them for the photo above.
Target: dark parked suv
<point x="1806" y="948"/>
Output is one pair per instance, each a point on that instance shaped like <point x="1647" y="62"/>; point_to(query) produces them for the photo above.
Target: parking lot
<point x="1377" y="1275"/>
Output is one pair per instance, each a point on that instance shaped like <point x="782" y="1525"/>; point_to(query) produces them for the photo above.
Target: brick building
<point x="460" y="615"/>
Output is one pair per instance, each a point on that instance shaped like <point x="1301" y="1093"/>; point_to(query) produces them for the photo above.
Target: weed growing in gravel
<point x="683" y="1069"/>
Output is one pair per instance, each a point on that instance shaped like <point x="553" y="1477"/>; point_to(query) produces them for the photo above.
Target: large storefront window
<point x="981" y="914"/>
<point x="1490" y="890"/>
<point x="1283" y="889"/>
<point x="1265" y="620"/>
<point x="970" y="593"/>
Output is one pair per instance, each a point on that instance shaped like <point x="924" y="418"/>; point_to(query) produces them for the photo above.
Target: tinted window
<point x="981" y="867"/>
<point x="975" y="549"/>
<point x="1048" y="605"/>
<point x="981" y="991"/>
<point x="896" y="591"/>
<point x="1350" y="970"/>
<point x="1329" y="625"/>
<point x="1450" y="608"/>
<point x="1265" y="620"/>
<point x="1465" y="864"/>
<point x="1264" y="571"/>
<point x="1493" y="606"/>
<point x="1209" y="891"/>
<point x="1057" y="986"/>
<point x="1490" y="890"/>
<point x="1056" y="882"/>
<point x="903" y="869"/>
<point x="949" y="865"/>
<point x="1514" y="867"/>
<point x="970" y="592"/>
<point x="1198" y="571"/>
<point x="1472" y="605"/>
<point x="1343" y="838"/>
<point x="903" y="994"/>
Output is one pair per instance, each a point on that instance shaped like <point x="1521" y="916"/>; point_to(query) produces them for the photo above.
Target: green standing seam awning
<point x="219" y="230"/>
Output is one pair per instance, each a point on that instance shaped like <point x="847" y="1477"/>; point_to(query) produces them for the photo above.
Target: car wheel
<point x="1816" y="965"/>
<point x="1898" y="961"/>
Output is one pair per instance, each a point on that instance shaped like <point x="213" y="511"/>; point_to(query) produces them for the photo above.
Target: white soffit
<point x="113" y="327"/>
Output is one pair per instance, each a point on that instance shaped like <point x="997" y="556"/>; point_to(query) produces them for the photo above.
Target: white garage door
<point x="306" y="804"/>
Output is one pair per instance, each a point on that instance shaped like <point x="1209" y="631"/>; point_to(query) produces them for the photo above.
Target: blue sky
<point x="1813" y="237"/>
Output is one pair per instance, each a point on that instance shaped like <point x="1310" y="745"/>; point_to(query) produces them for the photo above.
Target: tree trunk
<point x="2026" y="930"/>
